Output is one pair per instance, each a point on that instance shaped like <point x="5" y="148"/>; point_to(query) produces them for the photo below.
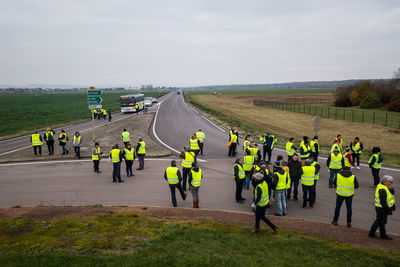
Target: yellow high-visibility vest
<point x="234" y="138"/>
<point x="282" y="181"/>
<point x="196" y="178"/>
<point x="36" y="140"/>
<point x="264" y="200"/>
<point x="188" y="160"/>
<point x="346" y="160"/>
<point x="129" y="154"/>
<point x="96" y="157"/>
<point x="79" y="140"/>
<point x="289" y="150"/>
<point x="316" y="177"/>
<point x="142" y="148"/>
<point x="115" y="155"/>
<point x="345" y="185"/>
<point x="241" y="172"/>
<point x="306" y="150"/>
<point x="389" y="197"/>
<point x="47" y="135"/>
<point x="356" y="148"/>
<point x="201" y="136"/>
<point x="307" y="178"/>
<point x="125" y="137"/>
<point x="312" y="145"/>
<point x="336" y="162"/>
<point x="63" y="137"/>
<point x="194" y="145"/>
<point x="172" y="175"/>
<point x="376" y="165"/>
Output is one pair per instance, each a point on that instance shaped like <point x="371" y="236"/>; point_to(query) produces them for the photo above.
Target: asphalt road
<point x="74" y="183"/>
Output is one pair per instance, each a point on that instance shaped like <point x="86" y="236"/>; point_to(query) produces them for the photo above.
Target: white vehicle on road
<point x="148" y="101"/>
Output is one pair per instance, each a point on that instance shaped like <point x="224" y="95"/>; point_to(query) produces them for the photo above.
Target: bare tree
<point x="396" y="78"/>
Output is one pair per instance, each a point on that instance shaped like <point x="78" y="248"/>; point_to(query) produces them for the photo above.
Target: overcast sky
<point x="196" y="42"/>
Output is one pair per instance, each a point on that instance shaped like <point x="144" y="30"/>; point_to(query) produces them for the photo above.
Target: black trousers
<point x="308" y="193"/>
<point x="126" y="143"/>
<point x="141" y="160"/>
<point x="173" y="197"/>
<point x="375" y="175"/>
<point x="232" y="150"/>
<point x="129" y="164"/>
<point x="356" y="157"/>
<point x="267" y="150"/>
<point x="314" y="191"/>
<point x="50" y="147"/>
<point x="295" y="185"/>
<point x="339" y="202"/>
<point x="35" y="148"/>
<point x="96" y="164"/>
<point x="380" y="222"/>
<point x="77" y="150"/>
<point x="260" y="215"/>
<point x="201" y="148"/>
<point x="239" y="188"/>
<point x="185" y="174"/>
<point x="314" y="155"/>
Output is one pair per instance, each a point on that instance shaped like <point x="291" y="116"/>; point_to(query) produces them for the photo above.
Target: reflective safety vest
<point x="95" y="111"/>
<point x="314" y="163"/>
<point x="376" y="165"/>
<point x="341" y="144"/>
<point x="136" y="106"/>
<point x="312" y="145"/>
<point x="201" y="136"/>
<point x="282" y="181"/>
<point x="306" y="151"/>
<point x="194" y="145"/>
<point x="234" y="138"/>
<point x="36" y="140"/>
<point x="125" y="137"/>
<point x="142" y="148"/>
<point x="96" y="157"/>
<point x="308" y="176"/>
<point x="345" y="185"/>
<point x="264" y="139"/>
<point x="336" y="162"/>
<point x="248" y="162"/>
<point x="346" y="160"/>
<point x="172" y="175"/>
<point x="335" y="146"/>
<point x="188" y="160"/>
<point x="264" y="200"/>
<point x="46" y="136"/>
<point x="63" y="137"/>
<point x="246" y="144"/>
<point x="115" y="155"/>
<point x="241" y="172"/>
<point x="129" y="155"/>
<point x="79" y="140"/>
<point x="104" y="112"/>
<point x="289" y="150"/>
<point x="196" y="178"/>
<point x="356" y="147"/>
<point x="389" y="197"/>
<point x="254" y="152"/>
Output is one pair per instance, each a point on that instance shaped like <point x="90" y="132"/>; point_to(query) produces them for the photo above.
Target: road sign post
<point x="94" y="101"/>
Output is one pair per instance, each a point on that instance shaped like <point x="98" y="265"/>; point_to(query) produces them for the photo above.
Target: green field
<point x="128" y="239"/>
<point x="267" y="91"/>
<point x="21" y="113"/>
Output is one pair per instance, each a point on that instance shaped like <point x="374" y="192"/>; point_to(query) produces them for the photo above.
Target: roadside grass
<point x="285" y="124"/>
<point x="22" y="113"/>
<point x="265" y="91"/>
<point x="127" y="239"/>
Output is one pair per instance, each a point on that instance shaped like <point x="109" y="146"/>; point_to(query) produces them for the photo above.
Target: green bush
<point x="370" y="99"/>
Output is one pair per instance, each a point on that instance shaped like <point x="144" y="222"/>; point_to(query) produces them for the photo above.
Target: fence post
<point x="352" y="118"/>
<point x="328" y="112"/>
<point x="373" y="119"/>
<point x="363" y="116"/>
<point x="321" y="112"/>
<point x="344" y="114"/>
<point x="386" y="119"/>
<point x="335" y="113"/>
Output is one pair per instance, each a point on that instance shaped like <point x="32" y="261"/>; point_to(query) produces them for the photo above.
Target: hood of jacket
<point x="346" y="173"/>
<point x="196" y="169"/>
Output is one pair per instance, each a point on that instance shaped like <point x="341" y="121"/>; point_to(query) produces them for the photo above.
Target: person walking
<point x="304" y="151"/>
<point x="248" y="163"/>
<point x="317" y="166"/>
<point x="63" y="138"/>
<point x="140" y="152"/>
<point x="356" y="149"/>
<point x="96" y="153"/>
<point x="109" y="115"/>
<point x="195" y="177"/>
<point x="348" y="161"/>
<point x="240" y="176"/>
<point x="269" y="141"/>
<point x="335" y="163"/>
<point x="294" y="171"/>
<point x="281" y="181"/>
<point x="234" y="141"/>
<point x="202" y="137"/>
<point x="37" y="143"/>
<point x="116" y="158"/>
<point x="290" y="148"/>
<point x="76" y="142"/>
<point x="345" y="184"/>
<point x="315" y="148"/>
<point x="375" y="163"/>
<point x="307" y="173"/>
<point x="48" y="136"/>
<point x="174" y="178"/>
<point x="188" y="158"/>
<point x="384" y="206"/>
<point x="194" y="144"/>
<point x="125" y="137"/>
<point x="129" y="155"/>
<point x="261" y="203"/>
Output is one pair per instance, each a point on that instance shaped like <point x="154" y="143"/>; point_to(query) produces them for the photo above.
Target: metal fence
<point x="388" y="119"/>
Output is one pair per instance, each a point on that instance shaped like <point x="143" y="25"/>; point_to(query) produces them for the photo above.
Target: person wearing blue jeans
<point x="335" y="163"/>
<point x="116" y="158"/>
<point x="280" y="183"/>
<point x="281" y="201"/>
<point x="248" y="163"/>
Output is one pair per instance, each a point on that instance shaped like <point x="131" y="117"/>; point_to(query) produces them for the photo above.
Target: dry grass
<point x="290" y="124"/>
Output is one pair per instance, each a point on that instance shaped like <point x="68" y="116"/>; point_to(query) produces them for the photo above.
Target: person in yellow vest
<point x="339" y="140"/>
<point x="290" y="148"/>
<point x="317" y="166"/>
<point x="261" y="202"/>
<point x="304" y="151"/>
<point x="269" y="141"/>
<point x="100" y="112"/>
<point x="96" y="154"/>
<point x="248" y="163"/>
<point x="104" y="114"/>
<point x="375" y="163"/>
<point x="48" y="136"/>
<point x="246" y="143"/>
<point x="336" y="146"/>
<point x="140" y="152"/>
<point x="384" y="206"/>
<point x="125" y="137"/>
<point x="335" y="163"/>
<point x="348" y="161"/>
<point x="240" y="176"/>
<point x="37" y="143"/>
<point x="356" y="149"/>
<point x="234" y="140"/>
<point x="63" y="138"/>
<point x="195" y="178"/>
<point x="137" y="109"/>
<point x="202" y="137"/>
<point x="188" y="158"/>
<point x="76" y="142"/>
<point x="173" y="176"/>
<point x="307" y="173"/>
<point x="194" y="144"/>
<point x="95" y="113"/>
<point x="116" y="158"/>
<point x="345" y="184"/>
<point x="254" y="151"/>
<point x="281" y="181"/>
<point x="315" y="148"/>
<point x="129" y="155"/>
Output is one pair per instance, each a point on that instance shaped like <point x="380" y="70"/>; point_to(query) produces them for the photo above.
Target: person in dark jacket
<point x="294" y="171"/>
<point x="116" y="159"/>
<point x="375" y="163"/>
<point x="384" y="206"/>
<point x="109" y="115"/>
<point x="195" y="178"/>
<point x="239" y="176"/>
<point x="174" y="178"/>
<point x="345" y="184"/>
<point x="48" y="136"/>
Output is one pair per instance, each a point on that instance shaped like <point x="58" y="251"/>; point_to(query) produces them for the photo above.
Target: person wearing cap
<point x="188" y="157"/>
<point x="129" y="154"/>
<point x="336" y="146"/>
<point x="240" y="176"/>
<point x="375" y="163"/>
<point x="345" y="184"/>
<point x="269" y="141"/>
<point x="307" y="173"/>
<point x="37" y="143"/>
<point x="48" y="136"/>
<point x="281" y="181"/>
<point x="140" y="152"/>
<point x="233" y="141"/>
<point x="290" y="148"/>
<point x="125" y="137"/>
<point x="356" y="149"/>
<point x="195" y="178"/>
<point x="261" y="202"/>
<point x="76" y="142"/>
<point x="202" y="137"/>
<point x="348" y="161"/>
<point x="116" y="158"/>
<point x="315" y="148"/>
<point x="173" y="176"/>
<point x="335" y="163"/>
<point x="294" y="171"/>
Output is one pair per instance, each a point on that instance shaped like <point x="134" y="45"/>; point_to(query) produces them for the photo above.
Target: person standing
<point x="336" y="146"/>
<point x="335" y="163"/>
<point x="116" y="158"/>
<point x="339" y="141"/>
<point x="348" y="162"/>
<point x="104" y="114"/>
<point x="95" y="113"/>
<point x="290" y="148"/>
<point x="307" y="173"/>
<point x="254" y="151"/>
<point x="246" y="143"/>
<point x="356" y="149"/>
<point x="194" y="144"/>
<point x="269" y="141"/>
<point x="195" y="177"/>
<point x="304" y="151"/>
<point x="294" y="171"/>
<point x="239" y="176"/>
<point x="281" y="181"/>
<point x="248" y="163"/>
<point x="76" y="142"/>
<point x="174" y="178"/>
<point x="96" y="153"/>
<point x="48" y="136"/>
<point x="315" y="148"/>
<point x="129" y="155"/>
<point x="37" y="143"/>
<point x="63" y="138"/>
<point x="234" y="140"/>
<point x="99" y="114"/>
<point x="188" y="158"/>
<point x="125" y="137"/>
<point x="375" y="163"/>
<point x="141" y="152"/>
<point x="317" y="166"/>
<point x="137" y="109"/>
<point x="202" y="137"/>
<point x="109" y="115"/>
<point x="345" y="184"/>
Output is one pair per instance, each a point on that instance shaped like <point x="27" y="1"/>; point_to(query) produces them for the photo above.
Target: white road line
<point x="194" y="110"/>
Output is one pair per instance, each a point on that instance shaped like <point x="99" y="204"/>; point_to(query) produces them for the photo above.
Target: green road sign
<point x="94" y="100"/>
<point x="94" y="93"/>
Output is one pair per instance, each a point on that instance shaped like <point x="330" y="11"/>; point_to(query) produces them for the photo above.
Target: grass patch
<point x="266" y="91"/>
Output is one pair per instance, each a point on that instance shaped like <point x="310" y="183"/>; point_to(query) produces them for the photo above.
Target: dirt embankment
<point x="107" y="136"/>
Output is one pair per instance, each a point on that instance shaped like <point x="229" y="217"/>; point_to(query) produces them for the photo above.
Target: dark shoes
<point x="184" y="197"/>
<point x="386" y="237"/>
<point x="139" y="169"/>
<point x="121" y="181"/>
<point x="349" y="225"/>
<point x="334" y="223"/>
<point x="277" y="214"/>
